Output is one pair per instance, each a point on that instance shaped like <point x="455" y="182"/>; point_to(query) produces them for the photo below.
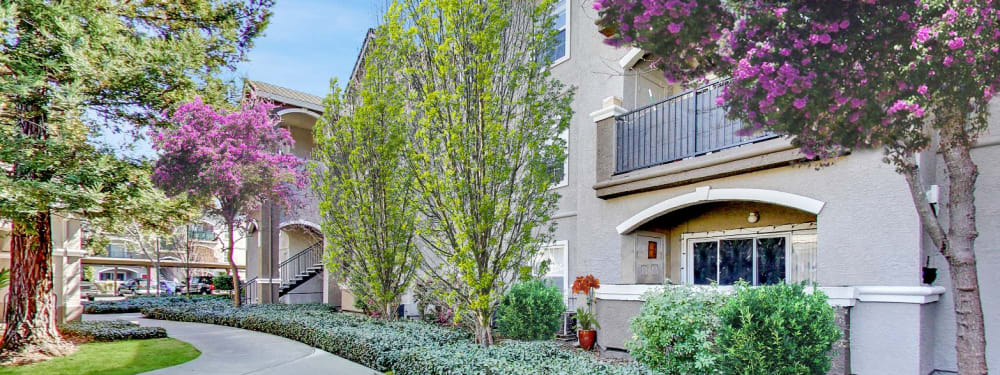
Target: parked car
<point x="138" y="286"/>
<point x="87" y="290"/>
<point x="131" y="287"/>
<point x="200" y="285"/>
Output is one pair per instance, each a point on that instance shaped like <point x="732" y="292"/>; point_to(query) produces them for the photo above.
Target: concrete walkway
<point x="227" y="350"/>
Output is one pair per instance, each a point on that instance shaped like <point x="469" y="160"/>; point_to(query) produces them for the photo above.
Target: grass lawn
<point x="114" y="358"/>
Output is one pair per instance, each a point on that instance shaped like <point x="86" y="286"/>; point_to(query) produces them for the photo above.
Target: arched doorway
<point x="721" y="236"/>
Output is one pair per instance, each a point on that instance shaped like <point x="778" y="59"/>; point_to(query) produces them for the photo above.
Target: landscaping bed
<point x="109" y="330"/>
<point x="402" y="347"/>
<point x="137" y="303"/>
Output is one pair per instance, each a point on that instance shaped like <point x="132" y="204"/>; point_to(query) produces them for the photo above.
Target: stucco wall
<point x="309" y="292"/>
<point x="868" y="231"/>
<point x="592" y="68"/>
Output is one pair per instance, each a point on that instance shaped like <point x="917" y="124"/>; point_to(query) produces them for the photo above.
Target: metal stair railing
<point x="248" y="292"/>
<point x="299" y="265"/>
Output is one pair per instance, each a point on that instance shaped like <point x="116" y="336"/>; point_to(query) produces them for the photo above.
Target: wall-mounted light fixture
<point x="753" y="217"/>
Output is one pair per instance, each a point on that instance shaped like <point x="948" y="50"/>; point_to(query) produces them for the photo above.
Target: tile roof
<point x="286" y="95"/>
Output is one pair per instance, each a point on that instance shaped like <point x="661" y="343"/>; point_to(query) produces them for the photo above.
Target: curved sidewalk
<point x="227" y="350"/>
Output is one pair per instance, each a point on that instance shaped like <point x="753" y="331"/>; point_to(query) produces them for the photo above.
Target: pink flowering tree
<point x="904" y="76"/>
<point x="230" y="159"/>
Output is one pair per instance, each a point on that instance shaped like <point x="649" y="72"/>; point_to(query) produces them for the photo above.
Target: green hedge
<point x="764" y="330"/>
<point x="110" y="330"/>
<point x="136" y="304"/>
<point x="531" y="310"/>
<point x="403" y="347"/>
<point x="776" y="330"/>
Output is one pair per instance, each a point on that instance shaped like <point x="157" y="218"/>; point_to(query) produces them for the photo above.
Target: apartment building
<point x="660" y="190"/>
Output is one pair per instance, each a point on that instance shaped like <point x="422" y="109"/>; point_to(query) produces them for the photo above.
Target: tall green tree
<point x="367" y="191"/>
<point x="69" y="70"/>
<point x="485" y="117"/>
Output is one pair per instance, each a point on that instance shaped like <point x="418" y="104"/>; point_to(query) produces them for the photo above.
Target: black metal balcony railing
<point x="679" y="127"/>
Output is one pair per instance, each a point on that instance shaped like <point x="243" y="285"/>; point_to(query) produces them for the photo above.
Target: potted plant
<point x="586" y="321"/>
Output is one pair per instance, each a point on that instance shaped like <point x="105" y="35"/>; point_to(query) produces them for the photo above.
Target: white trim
<point x="564" y="245"/>
<point x="607" y="112"/>
<point x="625" y="292"/>
<point x="843" y="296"/>
<point x="633" y="56"/>
<point x="749" y="231"/>
<point x="900" y="294"/>
<point x="297" y="110"/>
<point x="564" y="135"/>
<point x="267" y="281"/>
<point x="305" y="223"/>
<point x="566" y="27"/>
<point x="706" y="194"/>
<point x="563" y="215"/>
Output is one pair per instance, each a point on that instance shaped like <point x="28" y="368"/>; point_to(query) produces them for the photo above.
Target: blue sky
<point x="308" y="42"/>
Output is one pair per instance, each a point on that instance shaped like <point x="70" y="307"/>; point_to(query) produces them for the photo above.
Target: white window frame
<point x="565" y="4"/>
<point x="689" y="239"/>
<point x="565" y="177"/>
<point x="564" y="245"/>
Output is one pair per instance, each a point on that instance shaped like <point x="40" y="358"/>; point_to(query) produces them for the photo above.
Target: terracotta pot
<point x="587" y="338"/>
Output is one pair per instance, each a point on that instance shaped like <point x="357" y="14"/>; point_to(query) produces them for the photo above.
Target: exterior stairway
<point x="301" y="267"/>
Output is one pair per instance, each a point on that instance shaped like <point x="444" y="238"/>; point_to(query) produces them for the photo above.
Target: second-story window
<point x="559" y="170"/>
<point x="560" y="49"/>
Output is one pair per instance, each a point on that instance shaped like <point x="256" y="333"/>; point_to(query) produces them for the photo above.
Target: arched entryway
<point x="722" y="236"/>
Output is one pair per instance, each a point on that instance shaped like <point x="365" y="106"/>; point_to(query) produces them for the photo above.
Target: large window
<point x="757" y="258"/>
<point x="560" y="49"/>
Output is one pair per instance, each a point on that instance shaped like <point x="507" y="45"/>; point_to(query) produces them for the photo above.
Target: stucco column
<point x="331" y="289"/>
<point x="604" y="145"/>
<point x="268" y="279"/>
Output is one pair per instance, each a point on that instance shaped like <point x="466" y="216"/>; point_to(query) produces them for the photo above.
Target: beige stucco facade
<point x="858" y="215"/>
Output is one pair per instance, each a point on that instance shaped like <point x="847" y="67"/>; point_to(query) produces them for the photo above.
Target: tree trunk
<point x="237" y="301"/>
<point x="957" y="245"/>
<point x="484" y="334"/>
<point x="31" y="304"/>
<point x="970" y="342"/>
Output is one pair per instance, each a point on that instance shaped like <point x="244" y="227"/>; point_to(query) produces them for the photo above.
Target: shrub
<point x="223" y="282"/>
<point x="674" y="331"/>
<point x="531" y="310"/>
<point x="109" y="330"/>
<point x="776" y="329"/>
<point x="508" y="358"/>
<point x="402" y="347"/>
<point x="136" y="304"/>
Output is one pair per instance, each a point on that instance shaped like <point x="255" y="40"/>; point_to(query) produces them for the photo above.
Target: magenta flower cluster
<point x="838" y="73"/>
<point x="235" y="158"/>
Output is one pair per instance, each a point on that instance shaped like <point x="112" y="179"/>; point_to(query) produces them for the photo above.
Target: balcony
<point x="683" y="126"/>
<point x="680" y="140"/>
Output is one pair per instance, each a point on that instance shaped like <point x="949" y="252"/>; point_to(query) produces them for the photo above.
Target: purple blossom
<point x="956" y="43"/>
<point x="674" y="28"/>
<point x="800" y="102"/>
